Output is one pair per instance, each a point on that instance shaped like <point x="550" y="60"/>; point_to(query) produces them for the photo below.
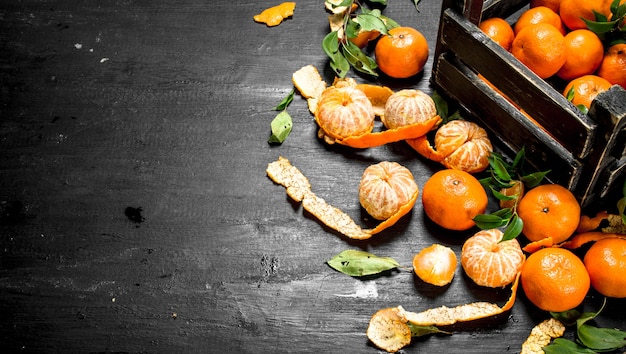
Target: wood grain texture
<point x="164" y="107"/>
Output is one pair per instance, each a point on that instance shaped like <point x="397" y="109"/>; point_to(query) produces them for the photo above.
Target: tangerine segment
<point x="275" y="15"/>
<point x="374" y="139"/>
<point x="344" y="111"/>
<point x="541" y="335"/>
<point x="384" y="188"/>
<point x="489" y="261"/>
<point x="435" y="264"/>
<point x="299" y="189"/>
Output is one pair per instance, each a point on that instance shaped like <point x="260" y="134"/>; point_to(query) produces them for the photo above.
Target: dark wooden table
<point x="136" y="213"/>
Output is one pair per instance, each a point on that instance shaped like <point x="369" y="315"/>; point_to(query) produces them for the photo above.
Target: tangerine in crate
<point x="613" y="66"/>
<point x="541" y="47"/>
<point x="452" y="198"/>
<point x="554" y="279"/>
<point x="583" y="90"/>
<point x="606" y="264"/>
<point x="499" y="30"/>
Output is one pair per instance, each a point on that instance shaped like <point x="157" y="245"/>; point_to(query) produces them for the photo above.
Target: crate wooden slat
<point x="584" y="152"/>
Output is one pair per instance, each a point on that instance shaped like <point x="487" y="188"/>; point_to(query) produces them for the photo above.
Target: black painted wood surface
<point x="136" y="213"/>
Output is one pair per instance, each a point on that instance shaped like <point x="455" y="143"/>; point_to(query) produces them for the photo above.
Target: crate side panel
<point x="504" y="121"/>
<point x="549" y="108"/>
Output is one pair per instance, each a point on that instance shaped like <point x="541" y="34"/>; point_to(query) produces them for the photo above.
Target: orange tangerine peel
<point x="378" y="96"/>
<point x="275" y="15"/>
<point x="459" y="144"/>
<point x="541" y="335"/>
<point x="373" y="139"/>
<point x="537" y="245"/>
<point x="388" y="328"/>
<point x="298" y="188"/>
<point x="581" y="239"/>
<point x="445" y="316"/>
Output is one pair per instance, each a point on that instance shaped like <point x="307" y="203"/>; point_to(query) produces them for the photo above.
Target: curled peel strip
<point x="299" y="189"/>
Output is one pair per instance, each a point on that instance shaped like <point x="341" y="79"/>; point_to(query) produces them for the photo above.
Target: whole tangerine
<point x="538" y="14"/>
<point x="613" y="66"/>
<point x="606" y="264"/>
<point x="554" y="279"/>
<point x="499" y="30"/>
<point x="573" y="12"/>
<point x="402" y="52"/>
<point x="435" y="264"/>
<point x="452" y="198"/>
<point x="541" y="47"/>
<point x="549" y="210"/>
<point x="553" y="5"/>
<point x="585" y="89"/>
<point x="585" y="52"/>
<point x="489" y="261"/>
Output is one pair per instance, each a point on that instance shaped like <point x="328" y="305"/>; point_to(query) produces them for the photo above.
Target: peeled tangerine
<point x="459" y="144"/>
<point x="490" y="262"/>
<point x="385" y="187"/>
<point x="407" y="107"/>
<point x="343" y="112"/>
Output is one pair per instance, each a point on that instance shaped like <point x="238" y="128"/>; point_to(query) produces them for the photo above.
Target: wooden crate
<point x="585" y="153"/>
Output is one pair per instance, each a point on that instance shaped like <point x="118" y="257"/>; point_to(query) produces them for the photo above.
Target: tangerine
<point x="549" y="210"/>
<point x="452" y="198"/>
<point x="408" y="106"/>
<point x="584" y="54"/>
<point x="541" y="47"/>
<point x="499" y="30"/>
<point x="489" y="261"/>
<point x="585" y="89"/>
<point x="538" y="14"/>
<point x="401" y="53"/>
<point x="606" y="263"/>
<point x="555" y="279"/>
<point x="613" y="66"/>
<point x="551" y="4"/>
<point x="435" y="264"/>
<point x="385" y="187"/>
<point x="344" y="111"/>
<point x="573" y="12"/>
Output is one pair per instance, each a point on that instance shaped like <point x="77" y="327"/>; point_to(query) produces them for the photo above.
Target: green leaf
<point x="514" y="228"/>
<point x="568" y="317"/>
<point x="489" y="221"/>
<point x="601" y="339"/>
<point x="440" y="104"/>
<point x="330" y="44"/>
<point x="565" y="346"/>
<point x="286" y="101"/>
<point x="419" y="331"/>
<point x="390" y="23"/>
<point x="358" y="263"/>
<point x="500" y="196"/>
<point x="358" y="59"/>
<point x="281" y="127"/>
<point x="534" y="179"/>
<point x="520" y="157"/>
<point x="371" y="22"/>
<point x="500" y="169"/>
<point x="600" y="27"/>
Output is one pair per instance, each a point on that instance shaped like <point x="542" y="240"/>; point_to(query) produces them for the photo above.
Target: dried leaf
<point x="541" y="335"/>
<point x="275" y="15"/>
<point x="358" y="263"/>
